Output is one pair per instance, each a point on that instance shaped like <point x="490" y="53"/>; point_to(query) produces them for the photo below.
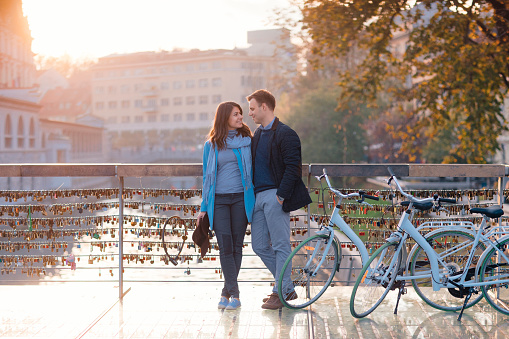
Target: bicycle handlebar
<point x="447" y="200"/>
<point x="409" y="196"/>
<point x="345" y="196"/>
<point x="367" y="196"/>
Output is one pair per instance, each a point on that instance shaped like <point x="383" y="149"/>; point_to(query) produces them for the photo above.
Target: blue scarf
<point x="243" y="144"/>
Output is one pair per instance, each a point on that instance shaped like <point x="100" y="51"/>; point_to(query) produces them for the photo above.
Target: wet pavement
<point x="189" y="310"/>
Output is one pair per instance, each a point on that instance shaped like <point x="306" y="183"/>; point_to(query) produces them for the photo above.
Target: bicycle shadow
<point x="446" y="325"/>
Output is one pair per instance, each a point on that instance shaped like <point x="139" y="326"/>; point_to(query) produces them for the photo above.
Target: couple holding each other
<point x="239" y="166"/>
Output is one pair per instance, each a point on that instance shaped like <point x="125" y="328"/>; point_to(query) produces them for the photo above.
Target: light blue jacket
<point x="249" y="197"/>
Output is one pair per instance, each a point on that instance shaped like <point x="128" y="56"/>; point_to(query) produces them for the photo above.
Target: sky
<point x="95" y="28"/>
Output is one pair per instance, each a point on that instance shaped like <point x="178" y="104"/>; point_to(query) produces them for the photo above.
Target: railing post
<point x="121" y="239"/>
<point x="309" y="206"/>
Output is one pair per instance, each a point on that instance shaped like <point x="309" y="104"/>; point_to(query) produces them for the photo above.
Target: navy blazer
<point x="285" y="164"/>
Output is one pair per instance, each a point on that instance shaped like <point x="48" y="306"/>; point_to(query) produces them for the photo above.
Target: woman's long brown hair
<point x="219" y="130"/>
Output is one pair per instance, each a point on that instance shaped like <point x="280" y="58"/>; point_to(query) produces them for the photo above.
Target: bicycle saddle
<point x="492" y="212"/>
<point x="421" y="206"/>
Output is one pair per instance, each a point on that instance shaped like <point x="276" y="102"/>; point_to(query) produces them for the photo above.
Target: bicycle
<point x="313" y="263"/>
<point x="486" y="270"/>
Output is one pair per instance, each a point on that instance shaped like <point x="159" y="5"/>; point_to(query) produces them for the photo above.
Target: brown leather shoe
<point x="273" y="303"/>
<point x="291" y="296"/>
<point x="265" y="299"/>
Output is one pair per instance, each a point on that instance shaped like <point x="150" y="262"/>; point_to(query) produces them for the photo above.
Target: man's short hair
<point x="262" y="96"/>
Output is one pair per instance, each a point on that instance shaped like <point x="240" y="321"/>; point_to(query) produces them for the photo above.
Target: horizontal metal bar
<point x="172" y="170"/>
<point x="358" y="170"/>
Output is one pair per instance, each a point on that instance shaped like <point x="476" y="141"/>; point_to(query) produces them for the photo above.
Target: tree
<point x="443" y="66"/>
<point x="328" y="134"/>
<point x="65" y="64"/>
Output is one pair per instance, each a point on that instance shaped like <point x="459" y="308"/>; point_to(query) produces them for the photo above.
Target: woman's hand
<point x="201" y="215"/>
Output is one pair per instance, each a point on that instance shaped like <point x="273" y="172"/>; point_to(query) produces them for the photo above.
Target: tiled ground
<point x="157" y="310"/>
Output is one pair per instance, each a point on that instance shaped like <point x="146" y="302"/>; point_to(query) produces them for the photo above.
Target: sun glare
<point x="94" y="28"/>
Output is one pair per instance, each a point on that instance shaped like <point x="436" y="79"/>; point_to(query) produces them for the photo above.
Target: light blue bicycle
<point x="461" y="268"/>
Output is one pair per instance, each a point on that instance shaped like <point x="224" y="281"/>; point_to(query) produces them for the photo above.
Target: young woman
<point x="228" y="195"/>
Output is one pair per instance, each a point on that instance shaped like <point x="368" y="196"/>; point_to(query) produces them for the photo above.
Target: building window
<point x="99" y="75"/>
<point x="151" y="103"/>
<point x="138" y="87"/>
<point x="216" y="65"/>
<point x="177" y="117"/>
<point x="165" y="117"/>
<point x="138" y="118"/>
<point x="202" y="66"/>
<point x="189" y="67"/>
<point x="216" y="99"/>
<point x="204" y="116"/>
<point x="126" y="119"/>
<point x="177" y="101"/>
<point x="204" y="99"/>
<point x="165" y="102"/>
<point x="190" y="100"/>
<point x="99" y="105"/>
<point x="165" y="85"/>
<point x="99" y="90"/>
<point x="8" y="132"/>
<point x="177" y="69"/>
<point x="125" y="103"/>
<point x="31" y="134"/>
<point x="138" y="103"/>
<point x="111" y="120"/>
<point x="21" y="133"/>
<point x="216" y="82"/>
<point x="203" y="83"/>
<point x="151" y="118"/>
<point x="112" y="104"/>
<point x="177" y="84"/>
<point x="124" y="89"/>
<point x="189" y="83"/>
<point x="112" y="90"/>
<point x="190" y="117"/>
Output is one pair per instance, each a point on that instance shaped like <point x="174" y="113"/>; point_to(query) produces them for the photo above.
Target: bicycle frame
<point x="439" y="280"/>
<point x="337" y="220"/>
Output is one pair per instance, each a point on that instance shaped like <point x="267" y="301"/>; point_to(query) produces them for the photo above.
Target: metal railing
<point x="497" y="173"/>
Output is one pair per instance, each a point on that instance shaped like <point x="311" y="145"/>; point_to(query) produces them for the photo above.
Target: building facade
<point x="17" y="68"/>
<point x="160" y="90"/>
<point x="150" y="95"/>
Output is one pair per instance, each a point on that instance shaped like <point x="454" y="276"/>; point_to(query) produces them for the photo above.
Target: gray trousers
<point x="230" y="223"/>
<point x="270" y="236"/>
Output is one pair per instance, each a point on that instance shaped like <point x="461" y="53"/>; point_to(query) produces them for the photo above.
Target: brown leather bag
<point x="202" y="234"/>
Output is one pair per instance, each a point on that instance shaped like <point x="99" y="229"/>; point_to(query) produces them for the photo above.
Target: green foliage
<point x="443" y="67"/>
<point x="328" y="133"/>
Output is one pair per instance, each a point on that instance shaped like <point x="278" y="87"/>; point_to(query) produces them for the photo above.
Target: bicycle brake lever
<point x="365" y="203"/>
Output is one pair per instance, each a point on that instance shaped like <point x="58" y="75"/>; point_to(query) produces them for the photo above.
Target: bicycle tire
<point x="497" y="295"/>
<point x="308" y="289"/>
<point x="369" y="290"/>
<point x="172" y="253"/>
<point x="452" y="246"/>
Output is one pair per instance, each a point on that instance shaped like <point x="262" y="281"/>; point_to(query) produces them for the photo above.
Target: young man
<point x="279" y="189"/>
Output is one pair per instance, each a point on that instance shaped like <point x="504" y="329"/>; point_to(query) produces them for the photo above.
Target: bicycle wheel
<point x="301" y="266"/>
<point x="454" y="248"/>
<point x="375" y="280"/>
<point x="495" y="268"/>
